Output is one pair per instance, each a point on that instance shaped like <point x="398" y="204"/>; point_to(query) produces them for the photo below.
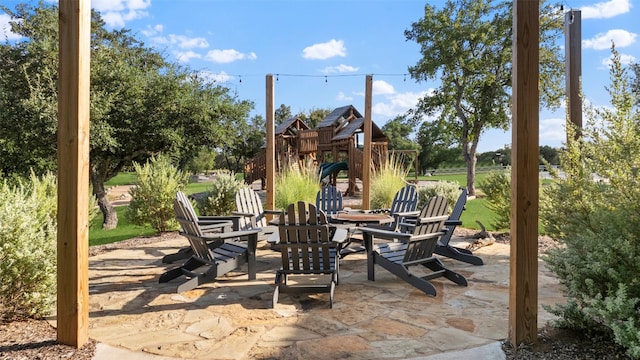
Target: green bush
<point x="205" y="160"/>
<point x="597" y="222"/>
<point x="221" y="199"/>
<point x="448" y="189"/>
<point x="28" y="247"/>
<point x="386" y="181"/>
<point x="295" y="184"/>
<point x="153" y="194"/>
<point x="497" y="187"/>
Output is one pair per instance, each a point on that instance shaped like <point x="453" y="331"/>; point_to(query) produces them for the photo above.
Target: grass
<point x="476" y="209"/>
<point x="124" y="231"/>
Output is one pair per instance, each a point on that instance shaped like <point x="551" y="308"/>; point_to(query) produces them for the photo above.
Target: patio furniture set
<point x="312" y="239"/>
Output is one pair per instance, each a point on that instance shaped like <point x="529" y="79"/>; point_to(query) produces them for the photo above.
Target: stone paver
<point x="232" y="318"/>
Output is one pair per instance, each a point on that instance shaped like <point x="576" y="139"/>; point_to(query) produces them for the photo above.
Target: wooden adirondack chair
<point x="306" y="248"/>
<point x="444" y="248"/>
<point x="404" y="204"/>
<point x="329" y="200"/>
<point x="410" y="249"/>
<point x="206" y="224"/>
<point x="249" y="207"/>
<point x="214" y="254"/>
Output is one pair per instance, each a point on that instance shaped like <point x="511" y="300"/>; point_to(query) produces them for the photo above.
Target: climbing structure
<point x="335" y="144"/>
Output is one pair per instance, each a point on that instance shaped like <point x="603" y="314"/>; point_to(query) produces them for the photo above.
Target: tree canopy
<point x="467" y="45"/>
<point x="141" y="104"/>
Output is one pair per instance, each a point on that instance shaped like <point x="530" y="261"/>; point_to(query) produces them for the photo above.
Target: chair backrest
<point x="454" y="217"/>
<point x="329" y="200"/>
<point x="405" y="200"/>
<point x="305" y="244"/>
<point x="428" y="229"/>
<point x="191" y="229"/>
<point x="249" y="202"/>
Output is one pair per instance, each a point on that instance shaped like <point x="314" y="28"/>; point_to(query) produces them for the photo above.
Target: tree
<point x="282" y="114"/>
<point x="314" y="116"/>
<point x="435" y="147"/>
<point x="246" y="144"/>
<point x="467" y="45"/>
<point x="550" y="154"/>
<point x="141" y="105"/>
<point x="399" y="130"/>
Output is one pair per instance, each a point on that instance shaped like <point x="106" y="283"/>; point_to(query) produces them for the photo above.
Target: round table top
<point x="358" y="217"/>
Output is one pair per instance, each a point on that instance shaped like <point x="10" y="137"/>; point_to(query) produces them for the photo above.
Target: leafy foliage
<point x="221" y="199"/>
<point x="28" y="247"/>
<point x="467" y="45"/>
<point x="594" y="212"/>
<point x="450" y="190"/>
<point x="154" y="192"/>
<point x="497" y="187"/>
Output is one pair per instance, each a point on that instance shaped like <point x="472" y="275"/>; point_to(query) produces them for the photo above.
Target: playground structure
<point x="334" y="145"/>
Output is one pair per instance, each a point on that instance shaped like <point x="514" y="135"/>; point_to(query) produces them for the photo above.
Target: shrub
<point x="386" y="181"/>
<point x="497" y="187"/>
<point x="448" y="189"/>
<point x="598" y="222"/>
<point x="295" y="184"/>
<point x="28" y="241"/>
<point x="153" y="194"/>
<point x="221" y="199"/>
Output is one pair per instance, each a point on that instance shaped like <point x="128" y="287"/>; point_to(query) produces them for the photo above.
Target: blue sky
<point x="320" y="51"/>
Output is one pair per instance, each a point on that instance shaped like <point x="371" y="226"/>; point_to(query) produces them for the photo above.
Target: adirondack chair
<point x="444" y="248"/>
<point x="307" y="248"/>
<point x="404" y="203"/>
<point x="206" y="224"/>
<point x="249" y="207"/>
<point x="410" y="249"/>
<point x="214" y="254"/>
<point x="329" y="200"/>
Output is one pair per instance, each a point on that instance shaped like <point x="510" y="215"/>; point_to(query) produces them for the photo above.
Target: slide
<point x="327" y="169"/>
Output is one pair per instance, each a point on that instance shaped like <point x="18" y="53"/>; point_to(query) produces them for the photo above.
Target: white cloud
<point x="625" y="59"/>
<point x="186" y="56"/>
<point x="619" y="37"/>
<point x="606" y="9"/>
<point x="552" y="130"/>
<point x="220" y="77"/>
<point x="181" y="41"/>
<point x="116" y="13"/>
<point x="228" y="55"/>
<point x="342" y="97"/>
<point x="5" y="28"/>
<point x="151" y="31"/>
<point x="339" y="69"/>
<point x="397" y="104"/>
<point x="381" y="87"/>
<point x="326" y="50"/>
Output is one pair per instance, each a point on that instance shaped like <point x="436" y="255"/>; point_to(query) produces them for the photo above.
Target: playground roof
<point x="291" y="125"/>
<point x="357" y="125"/>
<point x="344" y="112"/>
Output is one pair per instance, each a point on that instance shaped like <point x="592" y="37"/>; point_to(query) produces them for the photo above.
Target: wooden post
<point x="366" y="152"/>
<point x="271" y="149"/>
<point x="523" y="274"/>
<point x="73" y="173"/>
<point x="573" y="61"/>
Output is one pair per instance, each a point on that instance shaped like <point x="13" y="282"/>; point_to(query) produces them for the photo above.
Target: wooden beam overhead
<point x="73" y="172"/>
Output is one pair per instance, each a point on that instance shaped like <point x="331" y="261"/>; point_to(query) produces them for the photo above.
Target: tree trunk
<point x="471" y="160"/>
<point x="109" y="215"/>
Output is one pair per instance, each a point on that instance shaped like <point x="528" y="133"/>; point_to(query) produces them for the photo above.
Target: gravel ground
<point x="36" y="339"/>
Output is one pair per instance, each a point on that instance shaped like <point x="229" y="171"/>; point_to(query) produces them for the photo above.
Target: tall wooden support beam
<point x="523" y="276"/>
<point x="271" y="146"/>
<point x="573" y="61"/>
<point x="73" y="172"/>
<point x="366" y="156"/>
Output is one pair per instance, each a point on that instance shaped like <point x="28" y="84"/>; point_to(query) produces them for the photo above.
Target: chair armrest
<point x="273" y="212"/>
<point x="406" y="214"/>
<point x="231" y="234"/>
<point x="384" y="234"/>
<point x="340" y="236"/>
<point x="453" y="222"/>
<point x="243" y="214"/>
